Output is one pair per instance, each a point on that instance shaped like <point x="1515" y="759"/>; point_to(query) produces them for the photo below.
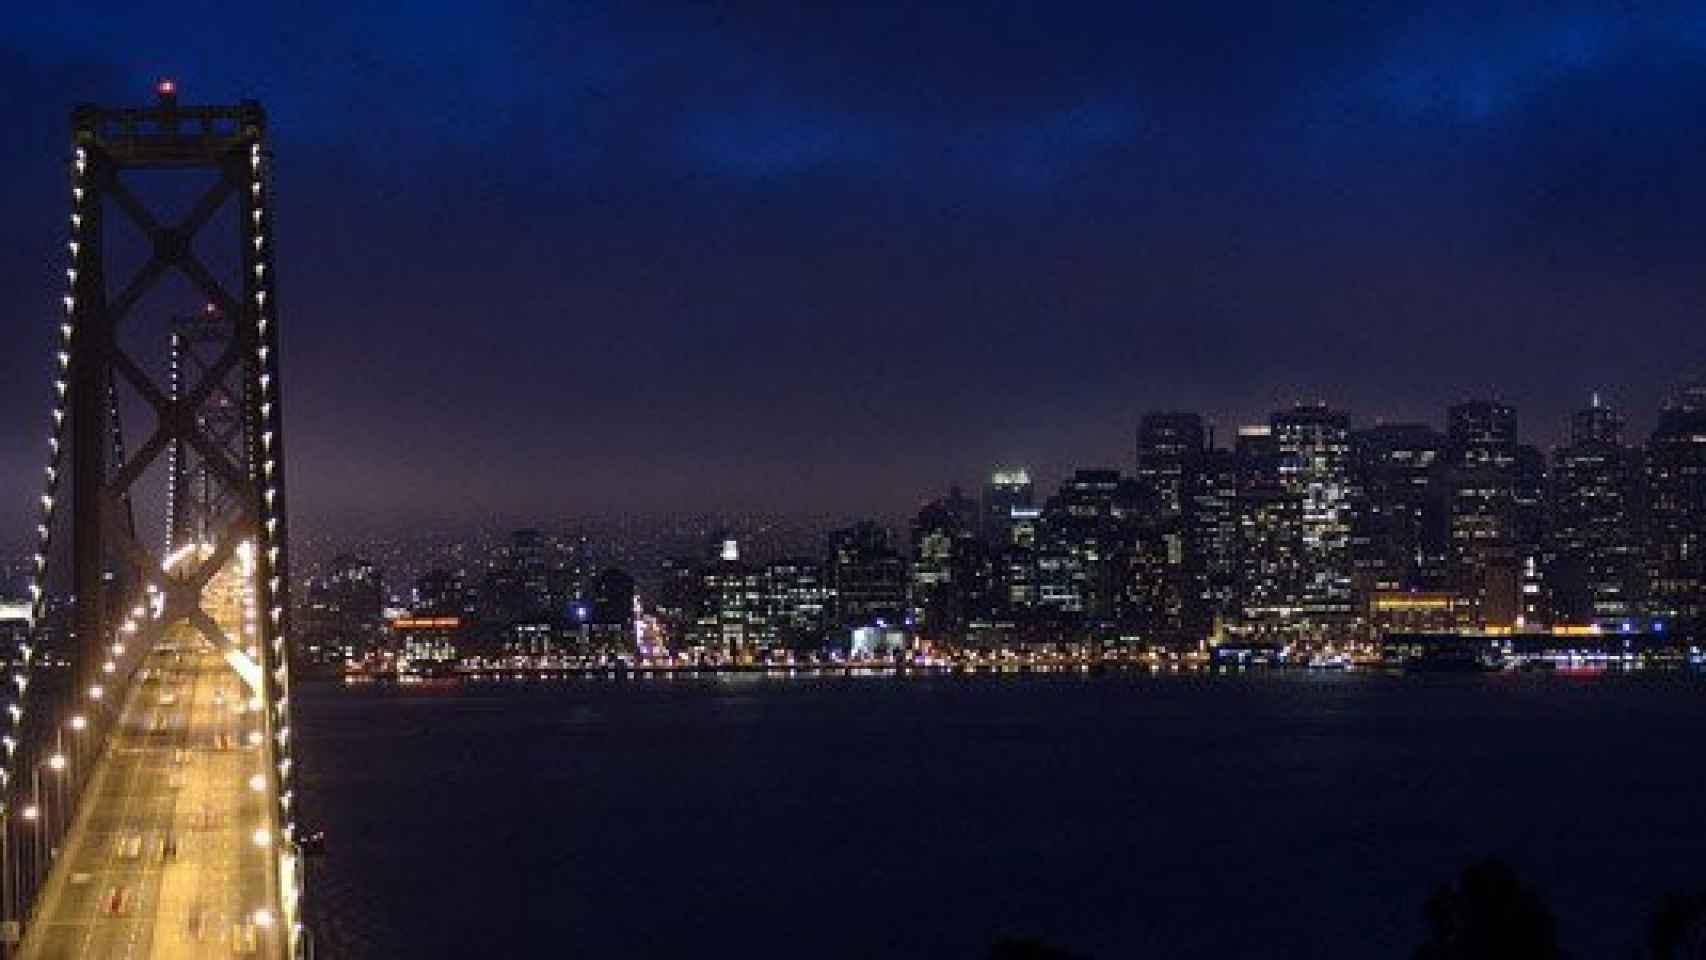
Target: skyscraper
<point x="950" y="572"/>
<point x="1170" y="449"/>
<point x="1313" y="444"/>
<point x="1006" y="492"/>
<point x="1486" y="564"/>
<point x="1086" y="532"/>
<point x="733" y="615"/>
<point x="1211" y="541"/>
<point x="1400" y="529"/>
<point x="799" y="602"/>
<point x="869" y="576"/>
<point x="1482" y="433"/>
<point x="1595" y="572"/>
<point x="1676" y="509"/>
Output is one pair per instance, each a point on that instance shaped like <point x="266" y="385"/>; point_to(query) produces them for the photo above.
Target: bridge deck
<point x="162" y="861"/>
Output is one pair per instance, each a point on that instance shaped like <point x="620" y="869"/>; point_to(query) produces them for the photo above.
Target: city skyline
<point x="1306" y="533"/>
<point x="740" y="263"/>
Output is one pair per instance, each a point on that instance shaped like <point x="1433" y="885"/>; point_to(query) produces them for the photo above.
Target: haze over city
<point x="827" y="261"/>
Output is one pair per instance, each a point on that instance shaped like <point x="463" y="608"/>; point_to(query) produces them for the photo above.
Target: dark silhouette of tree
<point x="1677" y="930"/>
<point x="1488" y="915"/>
<point x="1025" y="948"/>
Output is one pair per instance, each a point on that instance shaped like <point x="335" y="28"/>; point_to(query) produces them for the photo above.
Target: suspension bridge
<point x="146" y="800"/>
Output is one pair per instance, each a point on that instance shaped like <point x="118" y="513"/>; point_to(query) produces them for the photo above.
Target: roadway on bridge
<point x="162" y="861"/>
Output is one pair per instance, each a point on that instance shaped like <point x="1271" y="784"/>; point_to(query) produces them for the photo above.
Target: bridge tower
<point x="101" y="594"/>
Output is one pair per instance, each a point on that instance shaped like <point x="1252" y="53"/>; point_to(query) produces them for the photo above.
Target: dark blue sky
<point x="552" y="259"/>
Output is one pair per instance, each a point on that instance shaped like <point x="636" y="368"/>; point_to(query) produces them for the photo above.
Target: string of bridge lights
<point x="271" y="540"/>
<point x="56" y="448"/>
<point x="27" y="648"/>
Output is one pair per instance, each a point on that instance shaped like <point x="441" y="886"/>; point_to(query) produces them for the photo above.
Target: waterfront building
<point x="798" y="603"/>
<point x="950" y="571"/>
<point x="680" y="600"/>
<point x="1675" y="474"/>
<point x="869" y="576"/>
<point x="1411" y="611"/>
<point x="1211" y="542"/>
<point x="1595" y="570"/>
<point x="341" y="618"/>
<point x="1486" y="567"/>
<point x="1313" y="445"/>
<point x="1087" y="534"/>
<point x="426" y="642"/>
<point x="436" y="591"/>
<point x="1400" y="527"/>
<point x="606" y="615"/>
<point x="733" y="615"/>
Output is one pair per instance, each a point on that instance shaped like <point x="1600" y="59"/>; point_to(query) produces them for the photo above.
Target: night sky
<point x="556" y="260"/>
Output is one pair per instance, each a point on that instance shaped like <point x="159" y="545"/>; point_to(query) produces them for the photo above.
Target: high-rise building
<point x="680" y="601"/>
<point x="1487" y="514"/>
<point x="1211" y="542"/>
<point x="1531" y="500"/>
<point x="798" y="603"/>
<point x="1595" y="571"/>
<point x="605" y="617"/>
<point x="1170" y="449"/>
<point x="1482" y="433"/>
<point x="529" y="559"/>
<point x="950" y="581"/>
<point x="1086" y="538"/>
<point x="343" y="617"/>
<point x="441" y="593"/>
<point x="1269" y="580"/>
<point x="1400" y="531"/>
<point x="1313" y="443"/>
<point x="1006" y="492"/>
<point x="733" y="620"/>
<point x="1676" y="510"/>
<point x="869" y="576"/>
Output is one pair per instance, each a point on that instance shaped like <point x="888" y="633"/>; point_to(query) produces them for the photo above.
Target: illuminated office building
<point x="1675" y="473"/>
<point x="1007" y="493"/>
<point x="1487" y="549"/>
<point x="1596" y="574"/>
<point x="342" y="617"/>
<point x="869" y="576"/>
<point x="1170" y="450"/>
<point x="951" y="574"/>
<point x="799" y="603"/>
<point x="1400" y="528"/>
<point x="1312" y="442"/>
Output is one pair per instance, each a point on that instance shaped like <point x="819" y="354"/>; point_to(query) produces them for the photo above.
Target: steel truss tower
<point x="218" y="421"/>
